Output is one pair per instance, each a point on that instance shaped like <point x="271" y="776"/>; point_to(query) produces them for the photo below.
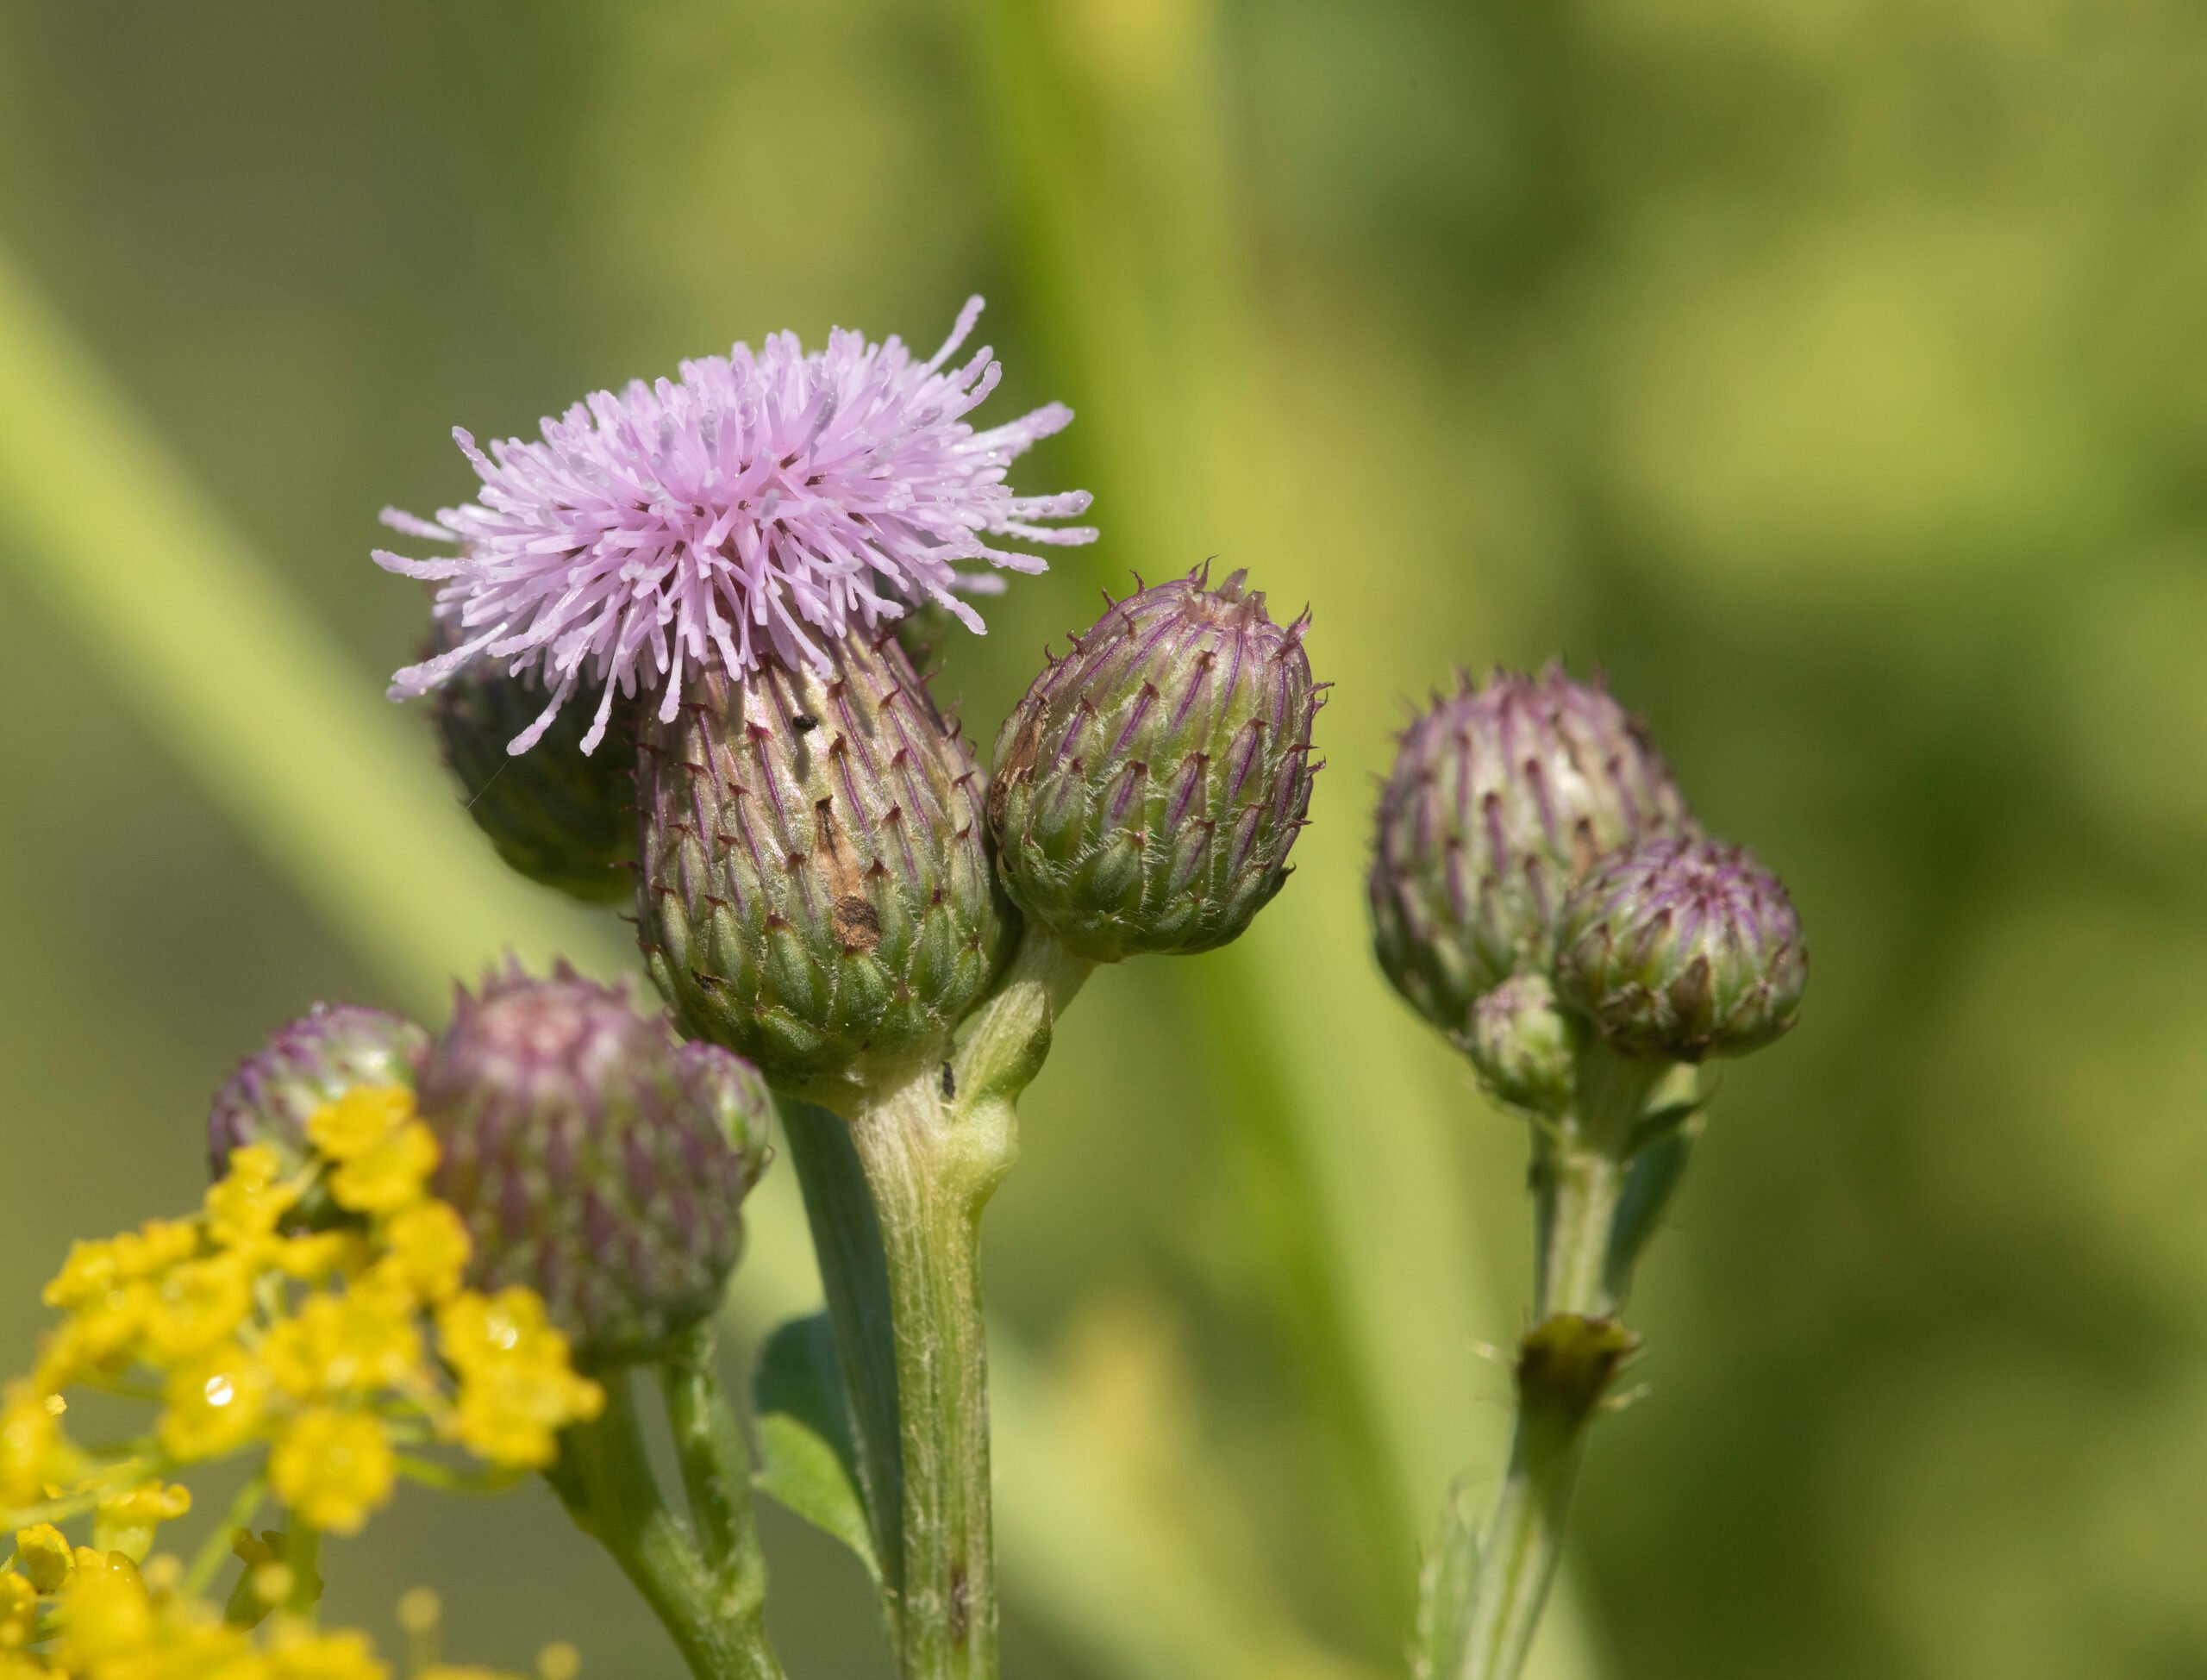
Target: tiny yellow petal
<point x="213" y="1404"/>
<point x="331" y="1468"/>
<point x="429" y="1248"/>
<point x="46" y="1556"/>
<point x="357" y="1122"/>
<point x="390" y="1175"/>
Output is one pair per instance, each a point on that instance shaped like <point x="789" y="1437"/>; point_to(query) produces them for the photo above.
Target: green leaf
<point x="854" y="1274"/>
<point x="808" y="1458"/>
<point x="1650" y="1181"/>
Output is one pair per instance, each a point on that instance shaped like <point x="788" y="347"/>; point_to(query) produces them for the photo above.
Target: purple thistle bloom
<point x="761" y="506"/>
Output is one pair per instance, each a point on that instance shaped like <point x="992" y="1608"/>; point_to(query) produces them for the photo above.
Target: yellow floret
<point x="244" y="1209"/>
<point x="331" y="1468"/>
<point x="95" y="1268"/>
<point x="389" y="1176"/>
<point x="128" y="1522"/>
<point x="357" y="1122"/>
<point x="101" y="1333"/>
<point x="296" y="1652"/>
<point x="197" y="1305"/>
<point x="362" y="1340"/>
<point x="18" y="1613"/>
<point x="106" y="1618"/>
<point x="472" y="1327"/>
<point x="320" y="1255"/>
<point x="30" y="1439"/>
<point x="213" y="1404"/>
<point x="518" y="1387"/>
<point x="430" y="1249"/>
<point x="45" y="1556"/>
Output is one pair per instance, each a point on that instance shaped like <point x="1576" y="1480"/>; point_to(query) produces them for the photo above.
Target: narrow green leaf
<point x="808" y="1461"/>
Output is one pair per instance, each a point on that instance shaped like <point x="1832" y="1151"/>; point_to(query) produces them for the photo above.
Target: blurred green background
<point x="1833" y="373"/>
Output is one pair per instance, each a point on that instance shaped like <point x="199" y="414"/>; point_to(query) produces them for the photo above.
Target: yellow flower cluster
<point x="337" y="1348"/>
<point x="95" y="1616"/>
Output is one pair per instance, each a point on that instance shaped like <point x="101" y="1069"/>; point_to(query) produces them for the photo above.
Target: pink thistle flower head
<point x="761" y="507"/>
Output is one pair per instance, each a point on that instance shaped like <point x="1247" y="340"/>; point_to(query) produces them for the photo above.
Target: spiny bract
<point x="815" y="891"/>
<point x="1149" y="788"/>
<point x="1684" y="948"/>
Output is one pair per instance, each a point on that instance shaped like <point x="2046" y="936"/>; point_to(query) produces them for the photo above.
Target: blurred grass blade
<point x="1123" y="189"/>
<point x="345" y="798"/>
<point x="339" y="792"/>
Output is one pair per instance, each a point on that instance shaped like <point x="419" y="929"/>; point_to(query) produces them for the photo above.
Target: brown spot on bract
<point x="858" y="928"/>
<point x="857" y="924"/>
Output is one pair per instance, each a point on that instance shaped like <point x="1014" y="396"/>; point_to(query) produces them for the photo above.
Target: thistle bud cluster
<point x="1537" y="875"/>
<point x="828" y="886"/>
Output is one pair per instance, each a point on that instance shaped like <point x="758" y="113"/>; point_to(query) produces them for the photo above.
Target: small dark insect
<point x="949" y="1083"/>
<point x="803" y="723"/>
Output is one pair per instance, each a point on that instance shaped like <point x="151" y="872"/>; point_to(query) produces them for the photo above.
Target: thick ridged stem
<point x="932" y="1150"/>
<point x="928" y="1191"/>
<point x="605" y="1477"/>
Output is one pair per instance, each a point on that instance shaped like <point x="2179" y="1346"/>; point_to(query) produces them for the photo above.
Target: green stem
<point x="932" y="1150"/>
<point x="606" y="1479"/>
<point x="928" y="1189"/>
<point x="221" y="1539"/>
<point x="1581" y="1170"/>
<point x="1577" y="1189"/>
<point x="716" y="1464"/>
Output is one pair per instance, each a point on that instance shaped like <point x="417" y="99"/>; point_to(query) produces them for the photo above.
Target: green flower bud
<point x="1149" y="787"/>
<point x="1501" y="800"/>
<point x="816" y="892"/>
<point x="315" y="1059"/>
<point x="1520" y="1045"/>
<point x="593" y="1158"/>
<point x="1684" y="948"/>
<point x="558" y="815"/>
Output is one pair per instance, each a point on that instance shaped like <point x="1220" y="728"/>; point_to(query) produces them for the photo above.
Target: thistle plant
<point x="1543" y="896"/>
<point x="684" y="645"/>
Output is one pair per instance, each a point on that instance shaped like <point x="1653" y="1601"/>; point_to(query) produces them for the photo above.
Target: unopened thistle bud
<point x="1520" y="1045"/>
<point x="1501" y="799"/>
<point x="593" y="1158"/>
<point x="314" y="1060"/>
<point x="558" y="815"/>
<point x="1149" y="787"/>
<point x="816" y="890"/>
<point x="1683" y="949"/>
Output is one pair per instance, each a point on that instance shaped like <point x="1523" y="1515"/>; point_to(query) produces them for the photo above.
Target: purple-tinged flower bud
<point x="815" y="891"/>
<point x="1501" y="799"/>
<point x="1520" y="1045"/>
<point x="555" y="814"/>
<point x="1684" y="948"/>
<point x="593" y="1158"/>
<point x="313" y="1060"/>
<point x="1149" y="788"/>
